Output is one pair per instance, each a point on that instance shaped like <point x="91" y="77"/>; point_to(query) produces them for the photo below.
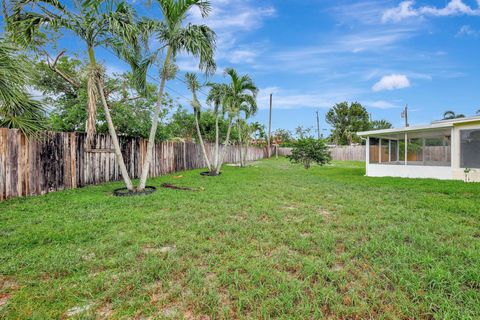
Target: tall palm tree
<point x="194" y="86"/>
<point x="17" y="107"/>
<point x="217" y="98"/>
<point x="241" y="97"/>
<point x="449" y="115"/>
<point x="196" y="40"/>
<point x="91" y="21"/>
<point x="96" y="23"/>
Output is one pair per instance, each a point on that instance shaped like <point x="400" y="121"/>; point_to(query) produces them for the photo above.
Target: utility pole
<point x="405" y="115"/>
<point x="269" y="137"/>
<point x="318" y="126"/>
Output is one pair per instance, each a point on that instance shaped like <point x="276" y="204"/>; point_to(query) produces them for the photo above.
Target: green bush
<point x="310" y="150"/>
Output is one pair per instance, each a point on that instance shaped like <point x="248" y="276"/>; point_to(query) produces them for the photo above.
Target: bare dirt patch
<point x="7" y="287"/>
<point x="159" y="250"/>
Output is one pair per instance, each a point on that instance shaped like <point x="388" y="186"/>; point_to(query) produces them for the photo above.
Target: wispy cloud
<point x="381" y="104"/>
<point x="391" y="82"/>
<point x="406" y="9"/>
<point x="467" y="31"/>
<point x="292" y="99"/>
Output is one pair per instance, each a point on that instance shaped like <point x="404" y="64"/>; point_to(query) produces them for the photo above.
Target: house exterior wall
<point x="402" y="171"/>
<point x="458" y="173"/>
<point x="454" y="172"/>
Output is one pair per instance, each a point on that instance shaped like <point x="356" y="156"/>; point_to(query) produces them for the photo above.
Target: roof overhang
<point x="434" y="126"/>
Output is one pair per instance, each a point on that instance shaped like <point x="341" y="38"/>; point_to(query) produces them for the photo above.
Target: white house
<point x="446" y="149"/>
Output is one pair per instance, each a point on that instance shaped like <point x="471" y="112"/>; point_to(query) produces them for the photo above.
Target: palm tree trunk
<point x="202" y="144"/>
<point x="113" y="134"/>
<point x="153" y="129"/>
<point x="216" y="142"/>
<point x="92" y="99"/>
<point x="240" y="141"/>
<point x="225" y="145"/>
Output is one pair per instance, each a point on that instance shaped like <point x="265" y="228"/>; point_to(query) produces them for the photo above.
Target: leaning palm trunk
<point x="92" y="99"/>
<point x="202" y="144"/>
<point x="153" y="129"/>
<point x="113" y="134"/>
<point x="225" y="146"/>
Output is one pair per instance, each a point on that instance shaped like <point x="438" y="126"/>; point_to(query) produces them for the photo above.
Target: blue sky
<point x="313" y="53"/>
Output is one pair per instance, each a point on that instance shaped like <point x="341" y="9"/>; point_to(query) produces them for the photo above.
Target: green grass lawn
<point x="269" y="241"/>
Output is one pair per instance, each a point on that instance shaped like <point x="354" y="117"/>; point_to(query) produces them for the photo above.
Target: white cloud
<point x="232" y="20"/>
<point x="467" y="31"/>
<point x="392" y="82"/>
<point x="381" y="104"/>
<point x="407" y="10"/>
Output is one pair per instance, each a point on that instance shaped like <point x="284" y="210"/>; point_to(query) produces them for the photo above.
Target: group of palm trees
<point x="114" y="24"/>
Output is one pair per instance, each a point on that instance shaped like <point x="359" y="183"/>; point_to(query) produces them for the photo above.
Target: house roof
<point x="439" y="124"/>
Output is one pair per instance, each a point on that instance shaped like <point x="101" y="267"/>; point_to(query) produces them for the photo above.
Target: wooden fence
<point x="348" y="153"/>
<point x="59" y="160"/>
<point x="339" y="153"/>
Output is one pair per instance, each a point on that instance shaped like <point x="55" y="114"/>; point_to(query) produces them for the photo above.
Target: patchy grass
<point x="269" y="241"/>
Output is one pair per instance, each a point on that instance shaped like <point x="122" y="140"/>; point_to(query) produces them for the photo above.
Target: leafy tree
<point x="17" y="107"/>
<point x="380" y="124"/>
<point x="346" y="120"/>
<point x="308" y="150"/>
<point x="283" y="137"/>
<point x="196" y="40"/>
<point x="449" y="115"/>
<point x="130" y="111"/>
<point x="302" y="133"/>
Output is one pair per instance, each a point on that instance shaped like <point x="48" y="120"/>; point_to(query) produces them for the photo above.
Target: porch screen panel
<point x="374" y="145"/>
<point x="470" y="148"/>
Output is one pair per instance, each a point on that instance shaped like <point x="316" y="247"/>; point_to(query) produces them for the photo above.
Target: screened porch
<point x="411" y="148"/>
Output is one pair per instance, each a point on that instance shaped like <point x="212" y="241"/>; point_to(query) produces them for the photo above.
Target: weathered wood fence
<point x="348" y="153"/>
<point x="59" y="160"/>
<point x="339" y="153"/>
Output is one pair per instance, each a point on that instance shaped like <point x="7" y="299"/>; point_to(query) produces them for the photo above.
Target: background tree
<point x="380" y="124"/>
<point x="302" y="132"/>
<point x="196" y="40"/>
<point x="283" y="137"/>
<point x="308" y="150"/>
<point x="17" y="107"/>
<point x="346" y="120"/>
<point x="449" y="115"/>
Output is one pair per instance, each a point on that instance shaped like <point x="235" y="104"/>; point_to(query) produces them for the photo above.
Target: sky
<point x="311" y="54"/>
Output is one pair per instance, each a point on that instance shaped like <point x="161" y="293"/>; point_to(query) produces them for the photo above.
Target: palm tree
<point x="96" y="23"/>
<point x="197" y="40"/>
<point x="194" y="86"/>
<point x="241" y="97"/>
<point x="91" y="21"/>
<point x="217" y="97"/>
<point x="17" y="107"/>
<point x="449" y="115"/>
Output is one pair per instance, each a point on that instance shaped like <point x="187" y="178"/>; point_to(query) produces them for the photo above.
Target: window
<point x="470" y="148"/>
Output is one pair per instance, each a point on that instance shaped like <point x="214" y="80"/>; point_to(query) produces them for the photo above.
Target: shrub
<point x="310" y="150"/>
